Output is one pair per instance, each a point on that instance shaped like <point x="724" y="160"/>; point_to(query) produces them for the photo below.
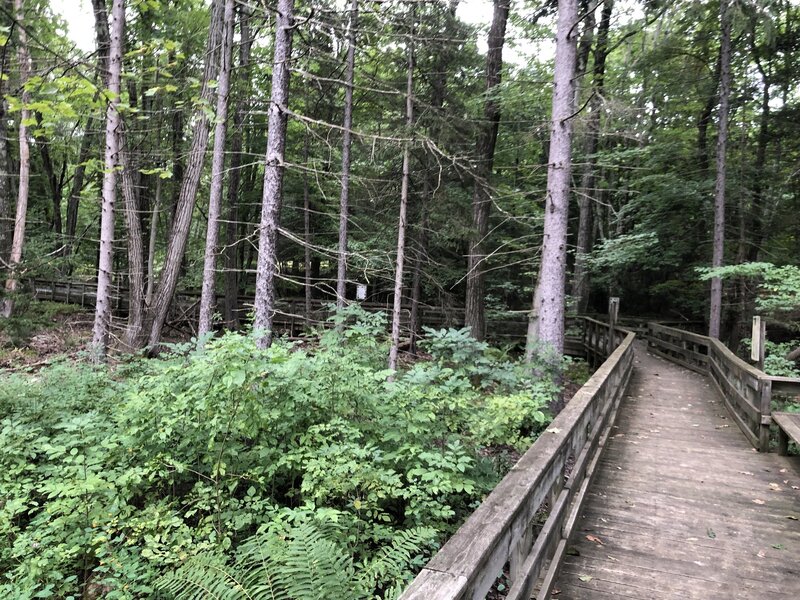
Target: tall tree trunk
<point x="273" y="175"/>
<point x="5" y="166"/>
<point x="401" y="227"/>
<point x="549" y="298"/>
<point x="719" y="188"/>
<point x="474" y="316"/>
<point x="704" y="120"/>
<point x="232" y="228"/>
<point x="341" y="274"/>
<point x="151" y="243"/>
<point x="18" y="241"/>
<point x="580" y="280"/>
<point x="181" y="223"/>
<point x="102" y="316"/>
<point x="306" y="231"/>
<point x="89" y="137"/>
<point x="135" y="244"/>
<point x="208" y="294"/>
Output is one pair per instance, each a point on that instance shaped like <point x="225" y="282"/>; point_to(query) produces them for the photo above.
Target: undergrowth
<point x="285" y="473"/>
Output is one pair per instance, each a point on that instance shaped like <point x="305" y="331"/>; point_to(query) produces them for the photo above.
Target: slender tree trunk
<point x="341" y="275"/>
<point x="102" y="315"/>
<point x="705" y="117"/>
<point x="208" y="294"/>
<point x="580" y="280"/>
<point x="306" y="230"/>
<point x="719" y="188"/>
<point x="135" y="244"/>
<point x="474" y="315"/>
<point x="151" y="246"/>
<point x="181" y="223"/>
<point x="273" y="175"/>
<point x="401" y="227"/>
<point x="232" y="228"/>
<point x="89" y="137"/>
<point x="5" y="169"/>
<point x="18" y="241"/>
<point x="549" y="295"/>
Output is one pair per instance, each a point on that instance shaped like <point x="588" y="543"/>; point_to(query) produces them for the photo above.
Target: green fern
<point x="393" y="566"/>
<point x="301" y="564"/>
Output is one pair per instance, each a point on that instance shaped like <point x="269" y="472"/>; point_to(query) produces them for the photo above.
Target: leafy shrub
<point x="111" y="481"/>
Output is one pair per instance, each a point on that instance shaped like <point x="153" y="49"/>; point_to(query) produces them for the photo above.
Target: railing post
<point x="613" y="315"/>
<point x="765" y="388"/>
<point x="757" y="345"/>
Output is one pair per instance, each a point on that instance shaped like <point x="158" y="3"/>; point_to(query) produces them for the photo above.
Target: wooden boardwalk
<point x="682" y="506"/>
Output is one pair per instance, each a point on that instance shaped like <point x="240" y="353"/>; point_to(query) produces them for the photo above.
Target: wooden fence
<point x="552" y="477"/>
<point x="290" y="318"/>
<point x="746" y="390"/>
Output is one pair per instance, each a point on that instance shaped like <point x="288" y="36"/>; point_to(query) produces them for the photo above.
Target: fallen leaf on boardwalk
<point x="758" y="501"/>
<point x="794" y="487"/>
<point x="572" y="551"/>
<point x="611" y="558"/>
<point x="782" y="471"/>
<point x="691" y="539"/>
<point x="554" y="430"/>
<point x="774" y="487"/>
<point x="777" y="546"/>
<point x="761" y="554"/>
<point x="585" y="577"/>
<point x="791" y="517"/>
<point x="711" y="533"/>
<point x="595" y="539"/>
<point x="745" y="472"/>
<point x="721" y="426"/>
<point x="555" y="592"/>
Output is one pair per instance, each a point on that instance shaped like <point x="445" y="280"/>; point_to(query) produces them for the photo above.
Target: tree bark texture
<point x="102" y="316"/>
<point x="208" y="293"/>
<point x="181" y="223"/>
<point x="135" y="244"/>
<point x="718" y="253"/>
<point x="587" y="196"/>
<point x="344" y="199"/>
<point x="273" y="176"/>
<point x="401" y="226"/>
<point x="474" y="316"/>
<point x="549" y="295"/>
<point x="306" y="230"/>
<point x="232" y="238"/>
<point x="20" y="219"/>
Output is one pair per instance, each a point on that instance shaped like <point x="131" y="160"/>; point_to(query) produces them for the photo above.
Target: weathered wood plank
<point x="683" y="511"/>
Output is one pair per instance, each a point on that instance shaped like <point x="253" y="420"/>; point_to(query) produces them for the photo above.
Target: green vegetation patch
<point x="225" y="466"/>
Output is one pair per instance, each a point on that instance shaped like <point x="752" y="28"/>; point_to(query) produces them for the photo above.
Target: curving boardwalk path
<point x="682" y="506"/>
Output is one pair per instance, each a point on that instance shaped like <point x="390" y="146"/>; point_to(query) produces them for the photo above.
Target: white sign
<point x="755" y="346"/>
<point x="361" y="291"/>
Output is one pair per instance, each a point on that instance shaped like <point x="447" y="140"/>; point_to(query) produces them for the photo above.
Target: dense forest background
<point x="248" y="152"/>
<point x="647" y="98"/>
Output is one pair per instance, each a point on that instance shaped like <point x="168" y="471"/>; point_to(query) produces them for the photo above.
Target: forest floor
<point x="42" y="331"/>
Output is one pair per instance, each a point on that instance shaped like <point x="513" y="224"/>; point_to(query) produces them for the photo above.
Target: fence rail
<point x="290" y="317"/>
<point x="552" y="476"/>
<point x="746" y="390"/>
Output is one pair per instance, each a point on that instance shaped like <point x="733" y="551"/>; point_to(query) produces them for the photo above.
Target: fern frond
<point x="203" y="578"/>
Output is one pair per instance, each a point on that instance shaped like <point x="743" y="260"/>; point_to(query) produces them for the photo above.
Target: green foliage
<point x="202" y="462"/>
<point x="778" y="291"/>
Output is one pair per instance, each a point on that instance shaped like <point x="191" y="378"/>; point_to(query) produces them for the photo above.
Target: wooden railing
<point x="746" y="390"/>
<point x="552" y="477"/>
<point x="290" y="317"/>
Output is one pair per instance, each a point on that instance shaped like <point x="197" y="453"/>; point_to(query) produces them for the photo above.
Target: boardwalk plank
<point x="673" y="503"/>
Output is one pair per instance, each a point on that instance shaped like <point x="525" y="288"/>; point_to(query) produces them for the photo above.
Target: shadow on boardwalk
<point x="683" y="506"/>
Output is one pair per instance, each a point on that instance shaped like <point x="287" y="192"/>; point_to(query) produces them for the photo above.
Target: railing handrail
<point x="732" y="376"/>
<point x="499" y="532"/>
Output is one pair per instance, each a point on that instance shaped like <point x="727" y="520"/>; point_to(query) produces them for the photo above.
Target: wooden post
<point x="613" y="315"/>
<point x="765" y="389"/>
<point x="757" y="345"/>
